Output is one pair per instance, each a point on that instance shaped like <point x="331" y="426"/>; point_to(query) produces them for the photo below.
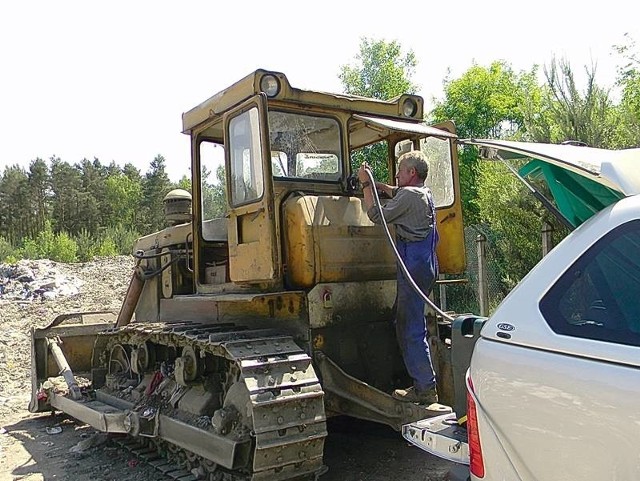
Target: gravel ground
<point x="48" y="447"/>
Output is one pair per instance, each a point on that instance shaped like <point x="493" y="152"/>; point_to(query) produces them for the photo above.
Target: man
<point x="412" y="211"/>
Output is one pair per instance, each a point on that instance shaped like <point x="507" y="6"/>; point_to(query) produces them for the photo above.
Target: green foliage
<point x="628" y="112"/>
<point x="107" y="248"/>
<point x="44" y="242"/>
<point x="6" y="249"/>
<point x="376" y="156"/>
<point x="185" y="183"/>
<point x="65" y="211"/>
<point x="566" y="113"/>
<point x="113" y="241"/>
<point x="155" y="186"/>
<point x="214" y="193"/>
<point x="513" y="220"/>
<point x="485" y="102"/>
<point x="86" y="244"/>
<point x="123" y="196"/>
<point x="29" y="250"/>
<point x="15" y="215"/>
<point x="381" y="70"/>
<point x="123" y="239"/>
<point x="47" y="245"/>
<point x="63" y="248"/>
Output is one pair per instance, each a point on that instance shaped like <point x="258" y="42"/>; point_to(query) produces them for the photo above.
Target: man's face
<point x="405" y="175"/>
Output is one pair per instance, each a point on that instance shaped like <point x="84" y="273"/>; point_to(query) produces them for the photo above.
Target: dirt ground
<point x="38" y="447"/>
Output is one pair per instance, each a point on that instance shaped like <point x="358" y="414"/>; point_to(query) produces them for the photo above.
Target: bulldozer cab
<point x="278" y="142"/>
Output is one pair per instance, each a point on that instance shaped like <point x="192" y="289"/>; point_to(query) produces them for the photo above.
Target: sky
<point x="110" y="80"/>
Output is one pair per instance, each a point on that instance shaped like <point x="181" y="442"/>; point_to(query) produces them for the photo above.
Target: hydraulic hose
<point x="403" y="267"/>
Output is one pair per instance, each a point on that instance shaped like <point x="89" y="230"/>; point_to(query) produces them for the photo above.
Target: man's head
<point x="413" y="168"/>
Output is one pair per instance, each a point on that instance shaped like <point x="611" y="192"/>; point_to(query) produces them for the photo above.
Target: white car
<point x="553" y="385"/>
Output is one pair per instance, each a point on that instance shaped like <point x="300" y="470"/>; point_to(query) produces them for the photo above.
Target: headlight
<point x="270" y="85"/>
<point x="409" y="107"/>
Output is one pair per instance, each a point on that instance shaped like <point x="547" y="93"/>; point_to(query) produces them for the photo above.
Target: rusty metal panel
<point x="333" y="303"/>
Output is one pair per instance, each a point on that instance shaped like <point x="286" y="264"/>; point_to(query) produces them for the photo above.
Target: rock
<point x="88" y="443"/>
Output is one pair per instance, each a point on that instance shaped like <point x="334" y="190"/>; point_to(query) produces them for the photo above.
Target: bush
<point x="107" y="248"/>
<point x="123" y="238"/>
<point x="47" y="245"/>
<point x="6" y="249"/>
<point x="63" y="248"/>
<point x="87" y="246"/>
<point x="29" y="250"/>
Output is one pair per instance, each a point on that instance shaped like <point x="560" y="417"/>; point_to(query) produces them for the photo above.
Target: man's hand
<point x="363" y="175"/>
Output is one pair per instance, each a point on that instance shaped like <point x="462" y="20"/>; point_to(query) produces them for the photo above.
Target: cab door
<point x="444" y="180"/>
<point x="253" y="244"/>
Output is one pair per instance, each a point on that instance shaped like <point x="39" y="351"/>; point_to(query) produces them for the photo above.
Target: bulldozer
<point x="241" y="333"/>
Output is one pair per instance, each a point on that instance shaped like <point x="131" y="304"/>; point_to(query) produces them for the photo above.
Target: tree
<point x="381" y="70"/>
<point x="92" y="194"/>
<point x="155" y="186"/>
<point x="485" y="102"/>
<point x="567" y="114"/>
<point x="628" y="79"/>
<point x="123" y="195"/>
<point x="66" y="190"/>
<point x="14" y="198"/>
<point x="39" y="194"/>
<point x="214" y="194"/>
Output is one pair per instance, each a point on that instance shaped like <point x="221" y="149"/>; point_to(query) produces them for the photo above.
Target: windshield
<point x="304" y="146"/>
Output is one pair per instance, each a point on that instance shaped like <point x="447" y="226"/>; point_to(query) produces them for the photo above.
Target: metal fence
<point x="479" y="289"/>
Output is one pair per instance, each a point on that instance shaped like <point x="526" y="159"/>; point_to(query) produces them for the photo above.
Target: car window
<point x="598" y="297"/>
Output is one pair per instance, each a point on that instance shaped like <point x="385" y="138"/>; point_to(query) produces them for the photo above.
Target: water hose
<point x="403" y="267"/>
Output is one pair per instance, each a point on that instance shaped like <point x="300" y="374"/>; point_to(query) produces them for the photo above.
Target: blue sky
<point x="111" y="79"/>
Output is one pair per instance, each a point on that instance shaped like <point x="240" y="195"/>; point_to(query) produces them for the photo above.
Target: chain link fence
<point x="478" y="292"/>
<point x="463" y="294"/>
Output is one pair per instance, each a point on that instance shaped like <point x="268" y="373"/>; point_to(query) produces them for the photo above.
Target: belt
<point x="404" y="239"/>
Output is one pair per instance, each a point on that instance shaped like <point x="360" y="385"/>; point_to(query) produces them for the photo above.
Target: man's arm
<point x="364" y="178"/>
<point x="385" y="188"/>
<point x="392" y="210"/>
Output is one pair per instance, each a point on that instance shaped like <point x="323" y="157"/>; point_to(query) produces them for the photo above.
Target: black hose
<point x="141" y="255"/>
<point x="148" y="275"/>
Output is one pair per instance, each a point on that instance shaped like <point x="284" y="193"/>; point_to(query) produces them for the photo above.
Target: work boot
<point x="412" y="395"/>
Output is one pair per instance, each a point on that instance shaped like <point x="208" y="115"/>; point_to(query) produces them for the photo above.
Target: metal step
<point x="440" y="436"/>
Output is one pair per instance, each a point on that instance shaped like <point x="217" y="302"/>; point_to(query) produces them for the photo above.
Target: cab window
<point x="246" y="178"/>
<point x="304" y="146"/>
<point x="597" y="297"/>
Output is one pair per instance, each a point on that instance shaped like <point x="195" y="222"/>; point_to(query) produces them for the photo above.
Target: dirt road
<point x="37" y="448"/>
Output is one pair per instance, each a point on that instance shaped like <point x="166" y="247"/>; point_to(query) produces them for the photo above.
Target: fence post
<point x="483" y="291"/>
<point x="547" y="241"/>
<point x="443" y="293"/>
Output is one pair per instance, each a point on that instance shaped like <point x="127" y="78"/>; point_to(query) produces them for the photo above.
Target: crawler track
<point x="264" y="403"/>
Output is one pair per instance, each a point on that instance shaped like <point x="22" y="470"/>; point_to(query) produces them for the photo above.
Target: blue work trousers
<point x="411" y="326"/>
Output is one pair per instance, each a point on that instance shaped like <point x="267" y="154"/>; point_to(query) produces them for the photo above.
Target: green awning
<point x="576" y="196"/>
